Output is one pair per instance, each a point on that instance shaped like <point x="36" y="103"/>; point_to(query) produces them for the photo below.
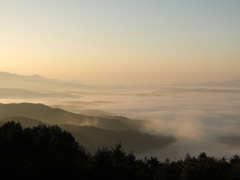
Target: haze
<point x="123" y="41"/>
<point x="182" y="118"/>
<point x="171" y="68"/>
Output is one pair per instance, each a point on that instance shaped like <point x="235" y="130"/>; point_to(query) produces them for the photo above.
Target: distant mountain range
<point x="92" y="132"/>
<point x="9" y="80"/>
<point x="214" y="84"/>
<point x="37" y="82"/>
<point x="13" y="85"/>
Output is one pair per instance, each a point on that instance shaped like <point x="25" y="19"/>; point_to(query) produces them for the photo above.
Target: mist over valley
<point x="149" y="119"/>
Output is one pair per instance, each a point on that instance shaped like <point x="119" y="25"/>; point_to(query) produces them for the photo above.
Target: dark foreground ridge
<point x="47" y="152"/>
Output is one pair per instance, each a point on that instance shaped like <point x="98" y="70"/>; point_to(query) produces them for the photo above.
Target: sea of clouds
<point x="203" y="119"/>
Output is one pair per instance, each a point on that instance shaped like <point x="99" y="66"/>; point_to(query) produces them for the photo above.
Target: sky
<point x="146" y="41"/>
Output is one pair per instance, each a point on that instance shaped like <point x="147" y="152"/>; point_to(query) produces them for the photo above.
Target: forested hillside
<point x="92" y="132"/>
<point x="47" y="152"/>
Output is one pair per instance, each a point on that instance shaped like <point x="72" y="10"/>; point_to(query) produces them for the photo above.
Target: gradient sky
<point x="122" y="40"/>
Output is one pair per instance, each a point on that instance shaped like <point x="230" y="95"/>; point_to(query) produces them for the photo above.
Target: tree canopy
<point x="47" y="152"/>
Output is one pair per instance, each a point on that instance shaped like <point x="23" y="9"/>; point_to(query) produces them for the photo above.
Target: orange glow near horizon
<point x="121" y="41"/>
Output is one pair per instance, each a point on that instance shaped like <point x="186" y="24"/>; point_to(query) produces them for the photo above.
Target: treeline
<point x="49" y="153"/>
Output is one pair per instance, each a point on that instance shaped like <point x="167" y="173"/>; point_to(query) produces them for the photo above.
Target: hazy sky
<point x="121" y="40"/>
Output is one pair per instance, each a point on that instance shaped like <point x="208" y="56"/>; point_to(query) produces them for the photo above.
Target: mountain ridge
<point x="11" y="80"/>
<point x="93" y="138"/>
<point x="51" y="115"/>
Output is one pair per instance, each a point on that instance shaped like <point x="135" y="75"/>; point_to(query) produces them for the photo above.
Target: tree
<point x="47" y="152"/>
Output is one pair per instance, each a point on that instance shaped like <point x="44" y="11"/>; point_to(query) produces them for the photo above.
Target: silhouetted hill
<point x="25" y="122"/>
<point x="9" y="80"/>
<point x="39" y="112"/>
<point x="223" y="84"/>
<point x="58" y="116"/>
<point x="12" y="75"/>
<point x="93" y="138"/>
<point x="95" y="112"/>
<point x="48" y="152"/>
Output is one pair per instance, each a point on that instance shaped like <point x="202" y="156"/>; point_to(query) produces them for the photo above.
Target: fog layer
<point x="202" y="117"/>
